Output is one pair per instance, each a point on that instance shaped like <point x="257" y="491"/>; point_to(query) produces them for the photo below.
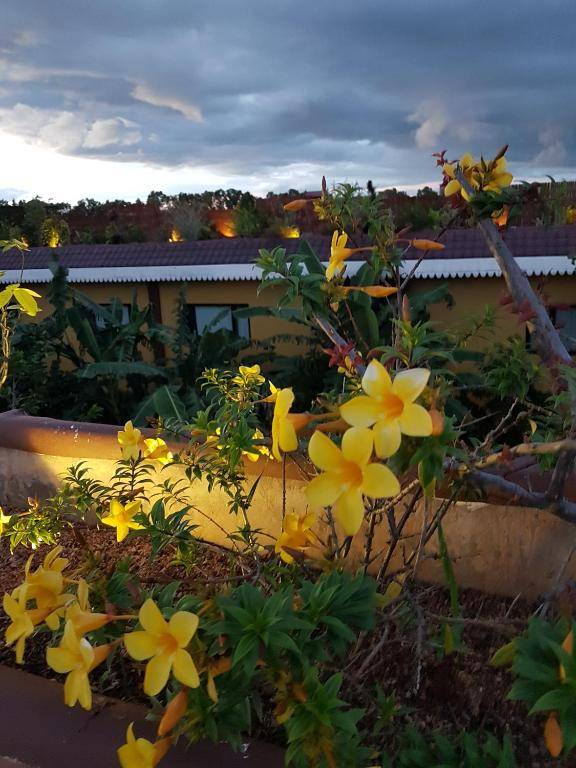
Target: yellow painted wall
<point x="207" y="292"/>
<point x="471" y="296"/>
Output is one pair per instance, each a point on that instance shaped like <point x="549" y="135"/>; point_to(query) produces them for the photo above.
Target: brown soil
<point x="457" y="692"/>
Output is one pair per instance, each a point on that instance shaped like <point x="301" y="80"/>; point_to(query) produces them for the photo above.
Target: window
<point x="203" y="316"/>
<point x="565" y="320"/>
<point x="100" y="323"/>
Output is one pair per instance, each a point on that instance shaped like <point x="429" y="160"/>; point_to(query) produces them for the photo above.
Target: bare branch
<point x="510" y="493"/>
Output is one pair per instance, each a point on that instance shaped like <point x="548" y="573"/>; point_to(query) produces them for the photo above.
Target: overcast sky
<point x="113" y="98"/>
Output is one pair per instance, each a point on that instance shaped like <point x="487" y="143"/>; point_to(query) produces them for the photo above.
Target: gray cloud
<point x="259" y="89"/>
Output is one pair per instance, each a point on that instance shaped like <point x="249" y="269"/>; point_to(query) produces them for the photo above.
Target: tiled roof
<point x="540" y="250"/>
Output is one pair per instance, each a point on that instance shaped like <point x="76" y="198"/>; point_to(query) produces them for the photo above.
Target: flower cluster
<point x="134" y="447"/>
<point x="491" y="176"/>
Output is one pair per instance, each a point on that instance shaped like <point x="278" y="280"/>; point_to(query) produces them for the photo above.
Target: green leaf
<point x="121" y="370"/>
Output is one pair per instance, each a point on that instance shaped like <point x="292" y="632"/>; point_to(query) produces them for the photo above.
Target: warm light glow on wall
<point x="289" y="231"/>
<point x="175" y="237"/>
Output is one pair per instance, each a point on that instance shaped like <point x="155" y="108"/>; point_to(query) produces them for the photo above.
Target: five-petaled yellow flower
<point x="164" y="643"/>
<point x="129" y="439"/>
<point x="339" y="253"/>
<point x="24" y="298"/>
<point x="390" y="407"/>
<point x="347" y="475"/>
<point x="81" y="617"/>
<point x="283" y="432"/>
<point x="141" y="753"/>
<point x="22" y="621"/>
<point x="249" y="374"/>
<point x="121" y="517"/>
<point x="296" y="535"/>
<point x="156" y="449"/>
<point x="76" y="658"/>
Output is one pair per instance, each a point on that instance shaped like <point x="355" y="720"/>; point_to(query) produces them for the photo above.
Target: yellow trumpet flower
<point x="121" y="517"/>
<point x="347" y="476"/>
<point x="389" y="406"/>
<point x="45" y="585"/>
<point x="164" y="643"/>
<point x="22" y="621"/>
<point x="283" y="432"/>
<point x="76" y="658"/>
<point x="339" y="253"/>
<point x="141" y="753"/>
<point x="156" y="449"/>
<point x="296" y="535"/>
<point x="129" y="439"/>
<point x="469" y="169"/>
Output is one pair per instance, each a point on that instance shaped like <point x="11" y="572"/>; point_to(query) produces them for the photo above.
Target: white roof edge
<point x="428" y="268"/>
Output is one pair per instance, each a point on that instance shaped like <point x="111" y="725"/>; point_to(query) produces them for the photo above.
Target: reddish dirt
<point x="458" y="692"/>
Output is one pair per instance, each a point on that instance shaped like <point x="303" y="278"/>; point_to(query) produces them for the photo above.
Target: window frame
<point x="193" y="319"/>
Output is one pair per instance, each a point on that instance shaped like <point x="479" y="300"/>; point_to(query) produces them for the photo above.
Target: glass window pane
<point x="566" y="323"/>
<point x="243" y="327"/>
<point x="206" y="314"/>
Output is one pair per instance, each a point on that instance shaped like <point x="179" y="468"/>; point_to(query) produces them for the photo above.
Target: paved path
<point x="38" y="731"/>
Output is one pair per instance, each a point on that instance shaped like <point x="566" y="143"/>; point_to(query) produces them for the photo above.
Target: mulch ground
<point x="459" y="691"/>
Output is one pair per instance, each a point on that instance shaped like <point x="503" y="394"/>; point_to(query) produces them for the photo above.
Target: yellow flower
<point x="497" y="177"/>
<point x="121" y="518"/>
<point x="45" y="585"/>
<point x="283" y="432"/>
<point x="129" y="438"/>
<point x="22" y="621"/>
<point x="141" y="753"/>
<point x="164" y="644"/>
<point x="339" y="253"/>
<point x="493" y="176"/>
<point x="248" y="374"/>
<point x="347" y="474"/>
<point x="81" y="617"/>
<point x="156" y="449"/>
<point x="258" y="450"/>
<point x="390" y="407"/>
<point x="24" y="297"/>
<point x="296" y="535"/>
<point x="76" y="658"/>
<point x="4" y="520"/>
<point x="469" y="168"/>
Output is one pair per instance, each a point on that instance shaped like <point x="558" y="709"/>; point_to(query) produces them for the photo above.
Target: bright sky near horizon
<point x="120" y="97"/>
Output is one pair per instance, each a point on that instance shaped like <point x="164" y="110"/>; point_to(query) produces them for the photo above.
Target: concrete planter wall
<point x="500" y="549"/>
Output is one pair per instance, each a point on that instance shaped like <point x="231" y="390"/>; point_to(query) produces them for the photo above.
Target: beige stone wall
<point x="503" y="550"/>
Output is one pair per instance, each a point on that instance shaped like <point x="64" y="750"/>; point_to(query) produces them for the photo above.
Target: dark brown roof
<point x="460" y="243"/>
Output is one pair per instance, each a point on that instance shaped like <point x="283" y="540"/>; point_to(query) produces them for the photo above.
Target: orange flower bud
<point x="300" y="420"/>
<point x="437" y="422"/>
<point x="296" y="205"/>
<point x="161" y="748"/>
<point x="376" y="291"/>
<point x="427" y="245"/>
<point x="174" y="712"/>
<point x="406" y="309"/>
<point x="553" y="735"/>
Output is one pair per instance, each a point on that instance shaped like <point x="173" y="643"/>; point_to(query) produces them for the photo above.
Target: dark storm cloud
<point x="359" y="89"/>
